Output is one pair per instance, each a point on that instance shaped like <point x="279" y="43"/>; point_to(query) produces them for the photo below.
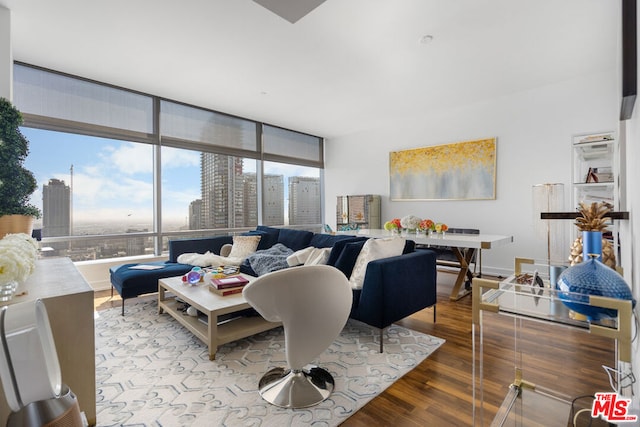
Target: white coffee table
<point x="211" y="305"/>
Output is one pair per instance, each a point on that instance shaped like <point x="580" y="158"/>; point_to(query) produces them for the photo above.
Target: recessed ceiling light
<point x="426" y="39"/>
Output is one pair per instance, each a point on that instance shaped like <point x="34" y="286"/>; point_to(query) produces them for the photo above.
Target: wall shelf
<point x="574" y="215"/>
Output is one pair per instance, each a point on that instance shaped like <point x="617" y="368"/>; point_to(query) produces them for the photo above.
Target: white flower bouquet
<point x="18" y="254"/>
<point x="410" y="222"/>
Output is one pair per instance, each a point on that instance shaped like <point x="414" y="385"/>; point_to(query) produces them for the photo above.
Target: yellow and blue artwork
<point x="458" y="171"/>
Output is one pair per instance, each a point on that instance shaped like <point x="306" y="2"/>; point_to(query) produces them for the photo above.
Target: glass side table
<point x="510" y="306"/>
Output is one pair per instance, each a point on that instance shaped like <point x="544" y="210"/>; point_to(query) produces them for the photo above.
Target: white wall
<point x="96" y="273"/>
<point x="630" y="132"/>
<point x="631" y="260"/>
<point x="534" y="130"/>
<point x="6" y="58"/>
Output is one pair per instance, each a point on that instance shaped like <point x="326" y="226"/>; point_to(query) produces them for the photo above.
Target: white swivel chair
<point x="313" y="303"/>
<point x="30" y="371"/>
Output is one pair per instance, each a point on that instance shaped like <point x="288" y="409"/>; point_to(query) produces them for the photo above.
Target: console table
<point x="69" y="302"/>
<point x="459" y="243"/>
<point x="528" y="403"/>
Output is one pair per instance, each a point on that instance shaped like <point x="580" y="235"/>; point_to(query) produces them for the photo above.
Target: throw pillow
<point x="295" y="239"/>
<point x="318" y="256"/>
<point x="374" y="249"/>
<point x="299" y="257"/>
<point x="266" y="240"/>
<point x="338" y="248"/>
<point x="348" y="256"/>
<point x="243" y="246"/>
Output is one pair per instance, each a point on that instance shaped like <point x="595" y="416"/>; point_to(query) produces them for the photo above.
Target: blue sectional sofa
<point x="393" y="288"/>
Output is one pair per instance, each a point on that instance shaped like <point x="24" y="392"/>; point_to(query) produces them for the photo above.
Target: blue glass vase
<point x="591" y="277"/>
<point x="591" y="245"/>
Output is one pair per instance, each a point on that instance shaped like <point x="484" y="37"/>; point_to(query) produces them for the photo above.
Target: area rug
<point x="150" y="371"/>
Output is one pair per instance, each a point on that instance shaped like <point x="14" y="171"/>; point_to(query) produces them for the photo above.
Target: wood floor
<point x="439" y="391"/>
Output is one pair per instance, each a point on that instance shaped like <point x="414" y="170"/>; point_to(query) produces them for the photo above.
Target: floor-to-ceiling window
<point x="121" y="172"/>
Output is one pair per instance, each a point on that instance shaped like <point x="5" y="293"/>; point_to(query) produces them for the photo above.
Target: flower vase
<point x="7" y="290"/>
<point x="591" y="277"/>
<point x="591" y="245"/>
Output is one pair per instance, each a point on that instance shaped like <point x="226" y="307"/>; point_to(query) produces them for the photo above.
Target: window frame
<point x="158" y="140"/>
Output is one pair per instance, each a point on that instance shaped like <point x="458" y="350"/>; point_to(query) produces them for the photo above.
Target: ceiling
<point x="347" y="66"/>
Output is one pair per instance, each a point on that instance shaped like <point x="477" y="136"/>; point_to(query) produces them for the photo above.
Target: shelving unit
<point x="595" y="175"/>
<point x="595" y="168"/>
<point x="358" y="212"/>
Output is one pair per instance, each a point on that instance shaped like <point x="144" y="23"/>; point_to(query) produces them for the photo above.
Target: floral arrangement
<point x="426" y="224"/>
<point x="394" y="224"/>
<point x="410" y="222"/>
<point x="18" y="254"/>
<point x="440" y="227"/>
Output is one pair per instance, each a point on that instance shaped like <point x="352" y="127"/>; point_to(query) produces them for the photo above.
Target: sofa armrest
<point x="397" y="287"/>
<point x="198" y="246"/>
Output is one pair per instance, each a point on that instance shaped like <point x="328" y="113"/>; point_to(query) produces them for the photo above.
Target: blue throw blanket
<point x="268" y="260"/>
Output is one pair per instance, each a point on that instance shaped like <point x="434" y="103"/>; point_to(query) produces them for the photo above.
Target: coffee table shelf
<point x="213" y="333"/>
<point x="195" y="326"/>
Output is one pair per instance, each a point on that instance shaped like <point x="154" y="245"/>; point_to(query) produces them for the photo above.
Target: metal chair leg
<point x="381" y="339"/>
<point x="123" y="306"/>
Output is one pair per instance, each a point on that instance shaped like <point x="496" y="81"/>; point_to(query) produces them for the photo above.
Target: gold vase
<point x="10" y="224"/>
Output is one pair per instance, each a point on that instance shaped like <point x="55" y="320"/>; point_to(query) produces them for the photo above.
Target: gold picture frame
<point x="457" y="171"/>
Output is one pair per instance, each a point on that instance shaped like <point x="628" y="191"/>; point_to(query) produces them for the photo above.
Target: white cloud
<point x="132" y="158"/>
<point x="177" y="158"/>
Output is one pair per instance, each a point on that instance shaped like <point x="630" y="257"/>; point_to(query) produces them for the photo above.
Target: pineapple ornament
<point x="593" y="218"/>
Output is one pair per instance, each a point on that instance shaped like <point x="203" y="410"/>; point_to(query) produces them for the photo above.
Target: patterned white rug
<point x="150" y="371"/>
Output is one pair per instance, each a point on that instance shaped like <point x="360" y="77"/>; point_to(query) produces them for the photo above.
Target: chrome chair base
<point x="287" y="388"/>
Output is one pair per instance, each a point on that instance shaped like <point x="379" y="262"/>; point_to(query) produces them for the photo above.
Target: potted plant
<point x="17" y="184"/>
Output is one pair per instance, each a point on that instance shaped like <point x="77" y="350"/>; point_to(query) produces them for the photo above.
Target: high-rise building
<point x="136" y="245"/>
<point x="273" y="200"/>
<point x="230" y="195"/>
<point x="195" y="215"/>
<point x="250" y="198"/>
<point x="222" y="184"/>
<point x="56" y="209"/>
<point x="304" y="200"/>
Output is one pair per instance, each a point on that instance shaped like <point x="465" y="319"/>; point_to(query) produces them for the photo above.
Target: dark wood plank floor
<point x="440" y="390"/>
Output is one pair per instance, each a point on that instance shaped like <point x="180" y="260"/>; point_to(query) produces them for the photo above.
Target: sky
<point x="113" y="180"/>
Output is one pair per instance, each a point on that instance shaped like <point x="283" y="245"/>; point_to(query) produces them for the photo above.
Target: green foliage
<point x="16" y="183"/>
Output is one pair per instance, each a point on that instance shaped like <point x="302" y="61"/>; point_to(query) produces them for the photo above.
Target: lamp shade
<point x="549" y="198"/>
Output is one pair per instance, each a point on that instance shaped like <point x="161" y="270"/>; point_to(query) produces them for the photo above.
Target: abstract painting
<point x="458" y="171"/>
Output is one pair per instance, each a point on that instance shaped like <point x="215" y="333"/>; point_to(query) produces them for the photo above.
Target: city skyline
<point x="112" y="179"/>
